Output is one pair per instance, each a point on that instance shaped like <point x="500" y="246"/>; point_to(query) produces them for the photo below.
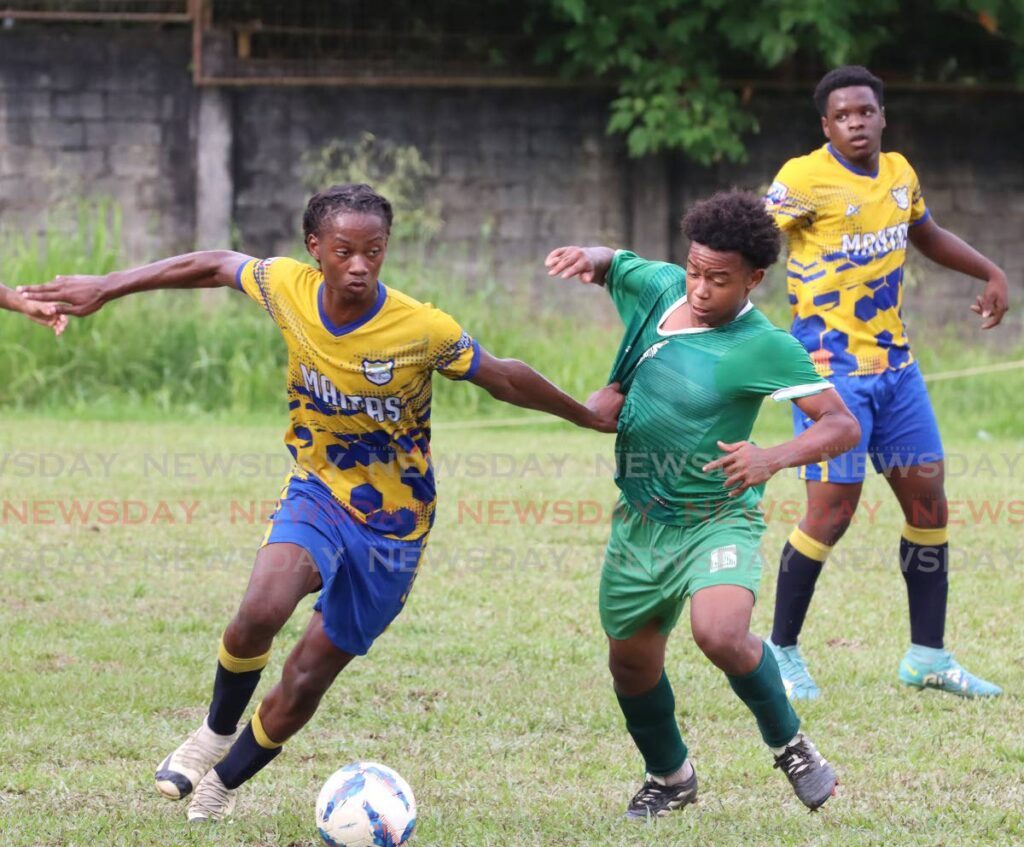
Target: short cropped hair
<point x="845" y="77"/>
<point x="735" y="221"/>
<point x="352" y="197"/>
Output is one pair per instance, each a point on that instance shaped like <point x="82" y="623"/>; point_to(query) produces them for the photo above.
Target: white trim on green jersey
<point x="798" y="391"/>
<point x="691" y="330"/>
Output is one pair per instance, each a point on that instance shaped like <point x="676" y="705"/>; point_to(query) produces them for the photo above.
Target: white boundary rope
<point x="533" y="420"/>
<point x="981" y="369"/>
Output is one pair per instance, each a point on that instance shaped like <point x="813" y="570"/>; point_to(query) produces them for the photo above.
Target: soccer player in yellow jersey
<point x="353" y="518"/>
<point x="42" y="313"/>
<point x="848" y="211"/>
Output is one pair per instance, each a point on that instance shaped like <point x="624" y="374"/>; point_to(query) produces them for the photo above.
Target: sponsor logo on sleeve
<point x="777" y="193"/>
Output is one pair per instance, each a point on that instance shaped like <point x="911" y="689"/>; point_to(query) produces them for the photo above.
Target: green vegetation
<point x="203" y="352"/>
<point x="490" y="693"/>
<point x="216" y="354"/>
<point x="671" y="61"/>
<point x="398" y="172"/>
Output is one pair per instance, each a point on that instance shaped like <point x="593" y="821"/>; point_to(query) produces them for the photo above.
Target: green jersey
<point x="688" y="389"/>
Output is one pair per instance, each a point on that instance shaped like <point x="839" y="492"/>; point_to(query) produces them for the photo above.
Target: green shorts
<point x="650" y="568"/>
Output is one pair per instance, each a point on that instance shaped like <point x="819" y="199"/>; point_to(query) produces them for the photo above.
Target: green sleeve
<point x="629" y="275"/>
<point x="773" y="363"/>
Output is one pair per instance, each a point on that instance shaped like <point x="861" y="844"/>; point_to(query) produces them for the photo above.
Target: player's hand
<point x="744" y="464"/>
<point x="993" y="302"/>
<point x="605" y="405"/>
<point x="42" y="313"/>
<point x="71" y="295"/>
<point x="568" y="262"/>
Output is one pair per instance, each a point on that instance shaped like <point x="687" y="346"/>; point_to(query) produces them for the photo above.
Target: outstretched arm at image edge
<point x="83" y="295"/>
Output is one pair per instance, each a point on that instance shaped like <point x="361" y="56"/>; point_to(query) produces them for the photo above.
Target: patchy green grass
<point x="490" y="693"/>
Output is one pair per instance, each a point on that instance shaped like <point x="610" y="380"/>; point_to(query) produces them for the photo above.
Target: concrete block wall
<point x="112" y="112"/>
<point x="101" y="113"/>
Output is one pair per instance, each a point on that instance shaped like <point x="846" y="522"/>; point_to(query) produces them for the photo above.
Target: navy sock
<point x="926" y="572"/>
<point x="799" y="567"/>
<point x="231" y="694"/>
<point x="245" y="759"/>
<point x="233" y="687"/>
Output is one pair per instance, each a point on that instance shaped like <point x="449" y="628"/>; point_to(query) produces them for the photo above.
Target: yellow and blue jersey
<point x="359" y="394"/>
<point x="847" y="232"/>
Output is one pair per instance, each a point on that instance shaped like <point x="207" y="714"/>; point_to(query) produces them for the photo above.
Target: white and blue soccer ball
<point x="365" y="805"/>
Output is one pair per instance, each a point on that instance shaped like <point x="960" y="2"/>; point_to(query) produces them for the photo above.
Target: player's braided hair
<point x="845" y="77"/>
<point x="354" y="197"/>
<point x="735" y="221"/>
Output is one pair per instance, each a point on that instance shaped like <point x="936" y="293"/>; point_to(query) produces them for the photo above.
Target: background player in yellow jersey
<point x="355" y="511"/>
<point x="848" y="211"/>
<point x="42" y="313"/>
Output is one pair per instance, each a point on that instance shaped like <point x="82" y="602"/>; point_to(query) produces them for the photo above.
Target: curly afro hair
<point x="355" y="197"/>
<point x="735" y="221"/>
<point x="846" y="77"/>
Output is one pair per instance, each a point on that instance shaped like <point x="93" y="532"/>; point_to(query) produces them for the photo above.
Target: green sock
<point x="651" y="720"/>
<point x="764" y="694"/>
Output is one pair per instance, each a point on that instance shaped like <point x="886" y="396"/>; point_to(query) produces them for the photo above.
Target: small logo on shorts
<point x="723" y="558"/>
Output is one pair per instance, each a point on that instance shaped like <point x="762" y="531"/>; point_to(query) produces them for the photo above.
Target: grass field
<point x="490" y="693"/>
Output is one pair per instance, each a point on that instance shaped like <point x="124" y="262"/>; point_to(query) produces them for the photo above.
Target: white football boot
<point x="183" y="769"/>
<point x="212" y="801"/>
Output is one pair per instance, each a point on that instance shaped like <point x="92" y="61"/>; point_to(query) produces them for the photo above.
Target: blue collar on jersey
<point x="333" y="328"/>
<point x="849" y="165"/>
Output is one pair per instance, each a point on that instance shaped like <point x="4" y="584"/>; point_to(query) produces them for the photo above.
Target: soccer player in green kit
<point x="696" y="361"/>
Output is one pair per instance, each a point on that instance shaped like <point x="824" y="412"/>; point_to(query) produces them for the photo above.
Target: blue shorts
<point x="897" y="426"/>
<point x="366" y="576"/>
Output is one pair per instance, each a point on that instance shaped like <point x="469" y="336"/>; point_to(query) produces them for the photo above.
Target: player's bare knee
<point x="827" y="524"/>
<point x="927" y="514"/>
<point x="634" y="674"/>
<point x="256" y="623"/>
<point x="721" y="643"/>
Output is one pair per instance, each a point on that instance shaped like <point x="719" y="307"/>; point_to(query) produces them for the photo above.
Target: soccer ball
<point x="365" y="805"/>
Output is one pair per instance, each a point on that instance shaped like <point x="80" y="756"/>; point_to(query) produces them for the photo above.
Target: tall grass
<point x="189" y="353"/>
<point x="177" y="352"/>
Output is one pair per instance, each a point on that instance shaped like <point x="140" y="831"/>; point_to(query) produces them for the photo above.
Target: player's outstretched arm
<point x="42" y="313"/>
<point x="83" y="295"/>
<point x="835" y="430"/>
<point x="951" y="251"/>
<point x="512" y="381"/>
<point x="590" y="264"/>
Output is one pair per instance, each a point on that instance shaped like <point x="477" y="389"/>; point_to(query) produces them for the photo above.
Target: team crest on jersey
<point x="902" y="197"/>
<point x="379" y="372"/>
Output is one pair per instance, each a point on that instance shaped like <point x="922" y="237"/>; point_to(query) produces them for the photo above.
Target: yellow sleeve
<point x="261" y="279"/>
<point x="918" y="208"/>
<point x="789" y="199"/>
<point x="454" y="353"/>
